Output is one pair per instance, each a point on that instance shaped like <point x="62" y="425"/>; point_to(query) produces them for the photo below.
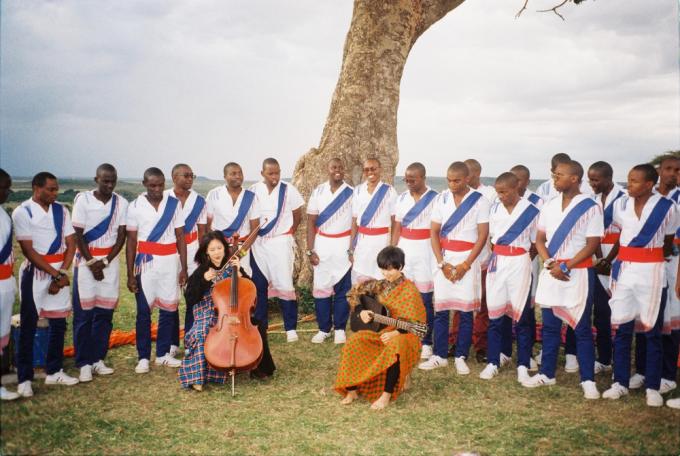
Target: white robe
<point x="611" y="230"/>
<point x="88" y="212"/>
<point x="186" y="209"/>
<point x="8" y="287"/>
<point x="567" y="299"/>
<point x="332" y="251"/>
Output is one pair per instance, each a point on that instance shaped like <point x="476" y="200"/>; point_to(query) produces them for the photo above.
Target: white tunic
<point x="508" y="279"/>
<point x="636" y="294"/>
<point x="420" y="261"/>
<point x="39" y="228"/>
<point x="547" y="190"/>
<point x="332" y="251"/>
<point x="88" y="212"/>
<point x="8" y="287"/>
<point x="491" y="196"/>
<point x="465" y="294"/>
<point x="536" y="263"/>
<point x="567" y="299"/>
<point x="367" y="247"/>
<point x="671" y="315"/>
<point x="274" y="253"/>
<point x="159" y="277"/>
<point x="186" y="209"/>
<point x="222" y="210"/>
<point x="606" y="247"/>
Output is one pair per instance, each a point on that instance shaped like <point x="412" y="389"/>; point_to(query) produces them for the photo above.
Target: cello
<point x="234" y="344"/>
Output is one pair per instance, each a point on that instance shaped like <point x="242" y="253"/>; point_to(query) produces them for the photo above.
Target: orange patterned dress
<point x="365" y="359"/>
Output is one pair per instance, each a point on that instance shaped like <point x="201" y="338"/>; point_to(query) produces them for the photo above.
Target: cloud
<point x="157" y="82"/>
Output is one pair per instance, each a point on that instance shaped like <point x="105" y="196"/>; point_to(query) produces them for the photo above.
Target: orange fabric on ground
<point x="365" y="359"/>
<point x="119" y="338"/>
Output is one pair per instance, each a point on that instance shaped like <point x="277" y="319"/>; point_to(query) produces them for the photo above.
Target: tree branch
<point x="519" y="13"/>
<point x="555" y="8"/>
<point x="434" y="10"/>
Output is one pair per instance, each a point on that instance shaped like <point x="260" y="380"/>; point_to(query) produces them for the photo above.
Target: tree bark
<point x="362" y="121"/>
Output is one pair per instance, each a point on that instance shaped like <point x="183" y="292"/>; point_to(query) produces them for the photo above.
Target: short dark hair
<point x="153" y="171"/>
<point x="602" y="167"/>
<point x="649" y="172"/>
<point x="560" y="158"/>
<point x="201" y="256"/>
<point x="374" y="159"/>
<point x="106" y="168"/>
<point x="177" y="167"/>
<point x="40" y="179"/>
<point x="391" y="257"/>
<point x="229" y="165"/>
<point x="521" y="169"/>
<point x="473" y="164"/>
<point x="507" y="178"/>
<point x="4" y="175"/>
<point x="668" y="157"/>
<point x="459" y="167"/>
<point x="270" y="161"/>
<point x="575" y="168"/>
<point x="418" y="167"/>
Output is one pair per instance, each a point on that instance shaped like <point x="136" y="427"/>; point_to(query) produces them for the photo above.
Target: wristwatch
<point x="548" y="262"/>
<point x="350" y="252"/>
<point x="564" y="268"/>
<point x="309" y="252"/>
<point x="105" y="261"/>
<point x="441" y="264"/>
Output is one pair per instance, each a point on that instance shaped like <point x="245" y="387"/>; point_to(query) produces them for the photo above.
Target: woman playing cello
<point x="195" y="371"/>
<point x="377" y="365"/>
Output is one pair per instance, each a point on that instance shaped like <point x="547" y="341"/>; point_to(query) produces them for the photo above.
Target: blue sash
<point x="567" y="224"/>
<point x="272" y="223"/>
<point x="58" y="217"/>
<point x="243" y="209"/>
<point x="647" y="232"/>
<point x="675" y="196"/>
<point x="373" y="205"/>
<point x="103" y="226"/>
<point x="192" y="218"/>
<point x="514" y="231"/>
<point x="417" y="208"/>
<point x="609" y="211"/>
<point x="7" y="246"/>
<point x="157" y="231"/>
<point x="460" y="212"/>
<point x="333" y="207"/>
<point x="534" y="198"/>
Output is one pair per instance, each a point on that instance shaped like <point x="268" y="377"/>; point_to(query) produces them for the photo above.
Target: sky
<point x="154" y="83"/>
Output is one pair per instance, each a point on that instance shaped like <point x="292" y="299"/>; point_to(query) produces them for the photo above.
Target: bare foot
<point x="382" y="402"/>
<point x="407" y="382"/>
<point x="349" y="398"/>
<point x="197" y="387"/>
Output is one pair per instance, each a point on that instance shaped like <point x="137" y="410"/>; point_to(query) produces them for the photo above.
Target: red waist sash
<point x="641" y="254"/>
<point x="587" y="263"/>
<point x="5" y="271"/>
<point x="416" y="234"/>
<point x="373" y="231"/>
<point x="508" y="250"/>
<point x="156" y="248"/>
<point x="190" y="237"/>
<point x="610" y="238"/>
<point x="334" y="235"/>
<point x="456" y="246"/>
<point x="54" y="258"/>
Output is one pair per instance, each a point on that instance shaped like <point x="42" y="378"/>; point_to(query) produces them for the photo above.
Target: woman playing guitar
<point x="376" y="365"/>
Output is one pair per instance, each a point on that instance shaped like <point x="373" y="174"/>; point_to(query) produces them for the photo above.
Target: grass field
<point x="297" y="412"/>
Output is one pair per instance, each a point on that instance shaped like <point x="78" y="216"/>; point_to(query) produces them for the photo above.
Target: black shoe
<point x="480" y="356"/>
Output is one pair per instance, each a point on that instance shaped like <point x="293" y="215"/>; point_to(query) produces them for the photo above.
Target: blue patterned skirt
<point x="195" y="370"/>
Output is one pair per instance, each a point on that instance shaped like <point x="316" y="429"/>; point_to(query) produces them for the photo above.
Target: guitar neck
<point x="389" y="321"/>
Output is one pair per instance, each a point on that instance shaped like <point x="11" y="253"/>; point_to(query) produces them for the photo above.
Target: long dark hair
<point x="202" y="257"/>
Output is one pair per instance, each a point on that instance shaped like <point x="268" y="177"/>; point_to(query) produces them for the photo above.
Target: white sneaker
<point x="505" y="359"/>
<point x="320" y="337"/>
<point x="533" y="365"/>
<point x="100" y="368"/>
<point x="599" y="367"/>
<point x="539" y="357"/>
<point x="590" y="390"/>
<point x="654" y="398"/>
<point x="538" y="380"/>
<point x="168" y="360"/>
<point x="142" y="366"/>
<point x="6" y="395"/>
<point x="174" y="349"/>
<point x="24" y="389"/>
<point x="673" y="403"/>
<point x="636" y="381"/>
<point x="60" y="378"/>
<point x="616" y="391"/>
<point x="461" y="366"/>
<point x="433" y="362"/>
<point x="489" y="372"/>
<point x="667" y="386"/>
<point x="522" y="374"/>
<point x="571" y="365"/>
<point x="339" y="336"/>
<point x="426" y="352"/>
<point x="291" y="336"/>
<point x="85" y="373"/>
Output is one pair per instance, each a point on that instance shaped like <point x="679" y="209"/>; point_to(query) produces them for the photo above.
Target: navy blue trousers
<point x="91" y="330"/>
<point x="143" y="327"/>
<point x="289" y="308"/>
<point x="333" y="311"/>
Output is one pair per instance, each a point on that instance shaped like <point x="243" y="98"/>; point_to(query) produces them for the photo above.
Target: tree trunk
<point x="362" y="120"/>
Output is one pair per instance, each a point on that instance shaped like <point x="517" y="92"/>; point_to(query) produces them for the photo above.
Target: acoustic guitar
<point x="381" y="318"/>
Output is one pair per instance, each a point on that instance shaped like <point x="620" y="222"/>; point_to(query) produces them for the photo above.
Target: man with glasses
<point x="193" y="209"/>
<point x="372" y="219"/>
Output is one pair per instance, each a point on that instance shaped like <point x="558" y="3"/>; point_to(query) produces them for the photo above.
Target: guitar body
<point x="367" y="302"/>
